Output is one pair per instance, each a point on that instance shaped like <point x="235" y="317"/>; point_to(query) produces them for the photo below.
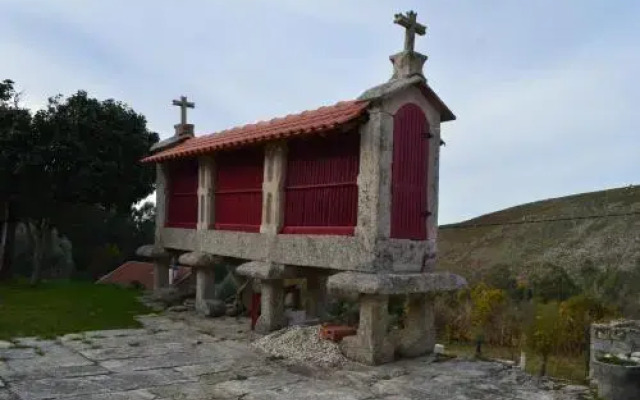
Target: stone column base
<point x="161" y="259"/>
<point x="203" y="264"/>
<point x="418" y="336"/>
<point x="371" y="345"/>
<point x="271" y="306"/>
<point x="316" y="306"/>
<point x="374" y="344"/>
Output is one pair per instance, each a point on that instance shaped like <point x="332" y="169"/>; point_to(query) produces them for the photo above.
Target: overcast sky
<point x="547" y="92"/>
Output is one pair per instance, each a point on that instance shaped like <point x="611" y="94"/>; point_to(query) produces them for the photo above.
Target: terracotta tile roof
<point x="320" y="120"/>
<point x="142" y="272"/>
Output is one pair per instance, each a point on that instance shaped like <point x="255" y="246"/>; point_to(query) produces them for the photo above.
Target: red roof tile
<point x="320" y="120"/>
<point x="142" y="272"/>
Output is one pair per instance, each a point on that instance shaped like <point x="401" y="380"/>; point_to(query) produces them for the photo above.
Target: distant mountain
<point x="600" y="229"/>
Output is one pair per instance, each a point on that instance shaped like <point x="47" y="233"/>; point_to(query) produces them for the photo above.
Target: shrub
<point x="545" y="332"/>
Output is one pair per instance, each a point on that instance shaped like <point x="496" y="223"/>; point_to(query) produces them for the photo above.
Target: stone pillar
<point x="374" y="178"/>
<point x="275" y="165"/>
<point x="371" y="345"/>
<point x="205" y="289"/>
<point x="271" y="306"/>
<point x="204" y="264"/>
<point x="418" y="336"/>
<point x="206" y="176"/>
<point x="161" y="260"/>
<point x="161" y="201"/>
<point x="161" y="268"/>
<point x="316" y="296"/>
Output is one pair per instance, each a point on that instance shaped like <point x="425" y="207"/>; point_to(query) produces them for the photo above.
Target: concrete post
<point x="374" y="178"/>
<point x="371" y="345"/>
<point x="160" y="273"/>
<point x="206" y="175"/>
<point x="316" y="296"/>
<point x="418" y="336"/>
<point x="271" y="306"/>
<point x="161" y="201"/>
<point x="275" y="165"/>
<point x="205" y="289"/>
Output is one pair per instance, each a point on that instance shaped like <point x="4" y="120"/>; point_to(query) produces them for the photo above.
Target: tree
<point x="15" y="123"/>
<point x="78" y="151"/>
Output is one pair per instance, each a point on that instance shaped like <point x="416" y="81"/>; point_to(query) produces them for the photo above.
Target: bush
<point x="544" y="332"/>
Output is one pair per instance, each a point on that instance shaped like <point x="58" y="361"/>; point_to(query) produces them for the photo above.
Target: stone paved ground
<point x="179" y="356"/>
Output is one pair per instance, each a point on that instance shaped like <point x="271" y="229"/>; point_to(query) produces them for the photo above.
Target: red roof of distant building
<point x="142" y="272"/>
<point x="323" y="119"/>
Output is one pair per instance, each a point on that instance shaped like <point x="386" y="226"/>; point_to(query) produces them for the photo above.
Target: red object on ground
<point x="336" y="333"/>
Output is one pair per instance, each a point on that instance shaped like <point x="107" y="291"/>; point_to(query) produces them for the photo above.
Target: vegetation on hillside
<point x="588" y="242"/>
<point x="547" y="317"/>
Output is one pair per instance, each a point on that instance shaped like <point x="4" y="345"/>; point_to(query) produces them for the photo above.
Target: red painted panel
<point x="409" y="174"/>
<point x="238" y="194"/>
<point x="182" y="196"/>
<point x="321" y="191"/>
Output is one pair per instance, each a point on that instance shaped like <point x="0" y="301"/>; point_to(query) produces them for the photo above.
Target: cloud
<point x="545" y="99"/>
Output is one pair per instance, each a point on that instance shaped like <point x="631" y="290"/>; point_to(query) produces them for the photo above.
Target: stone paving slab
<point x="183" y="356"/>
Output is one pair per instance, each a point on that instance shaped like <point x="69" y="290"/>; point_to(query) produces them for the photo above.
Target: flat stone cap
<point x="168" y="143"/>
<point x="199" y="259"/>
<point x="151" y="251"/>
<point x="391" y="87"/>
<point x="266" y="270"/>
<point x="345" y="283"/>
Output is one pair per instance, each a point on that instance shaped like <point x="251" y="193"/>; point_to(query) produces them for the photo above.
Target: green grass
<point x="572" y="368"/>
<point x="58" y="307"/>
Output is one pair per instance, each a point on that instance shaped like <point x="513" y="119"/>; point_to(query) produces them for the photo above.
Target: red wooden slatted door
<point x="182" y="207"/>
<point x="321" y="191"/>
<point x="409" y="174"/>
<point x="238" y="190"/>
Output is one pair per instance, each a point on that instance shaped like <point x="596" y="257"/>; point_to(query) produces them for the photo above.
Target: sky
<point x="546" y="92"/>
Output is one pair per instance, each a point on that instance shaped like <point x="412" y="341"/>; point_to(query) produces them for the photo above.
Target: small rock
<point x="232" y="310"/>
<point x="5" y="344"/>
<point x="636" y="354"/>
<point x="178" y="308"/>
<point x="168" y="296"/>
<point x="212" y="308"/>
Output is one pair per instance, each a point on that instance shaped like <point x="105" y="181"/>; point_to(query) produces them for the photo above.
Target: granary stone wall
<point x="370" y="250"/>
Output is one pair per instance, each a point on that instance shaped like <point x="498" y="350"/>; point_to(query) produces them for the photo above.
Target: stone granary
<point x="345" y="196"/>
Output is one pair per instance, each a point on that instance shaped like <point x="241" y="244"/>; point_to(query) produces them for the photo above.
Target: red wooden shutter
<point x="182" y="210"/>
<point x="238" y="190"/>
<point x="409" y="174"/>
<point x="321" y="190"/>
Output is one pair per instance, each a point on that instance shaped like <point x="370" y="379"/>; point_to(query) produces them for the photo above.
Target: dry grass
<point x="562" y="367"/>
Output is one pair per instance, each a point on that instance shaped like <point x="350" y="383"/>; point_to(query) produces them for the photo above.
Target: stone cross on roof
<point x="183" y="104"/>
<point x="412" y="26"/>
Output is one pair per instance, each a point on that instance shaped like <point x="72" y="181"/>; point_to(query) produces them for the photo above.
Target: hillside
<point x="508" y="238"/>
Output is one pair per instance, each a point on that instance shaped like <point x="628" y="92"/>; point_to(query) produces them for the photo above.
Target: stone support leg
<point x="316" y="297"/>
<point x="271" y="306"/>
<point x="160" y="274"/>
<point x="205" y="290"/>
<point x="371" y="345"/>
<point x="418" y="336"/>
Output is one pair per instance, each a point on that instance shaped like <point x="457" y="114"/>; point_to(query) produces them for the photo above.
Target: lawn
<point x="58" y="307"/>
<point x="571" y="368"/>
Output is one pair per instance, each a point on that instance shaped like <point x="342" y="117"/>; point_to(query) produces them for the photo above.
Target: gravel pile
<point x="302" y="344"/>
